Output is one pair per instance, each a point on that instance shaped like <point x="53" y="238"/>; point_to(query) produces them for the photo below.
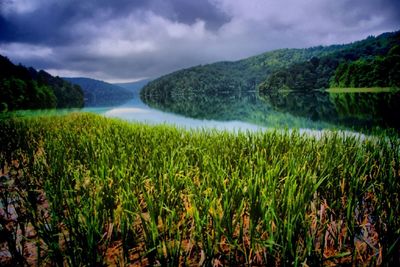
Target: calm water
<point x="312" y="111"/>
<point x="315" y="110"/>
<point x="135" y="110"/>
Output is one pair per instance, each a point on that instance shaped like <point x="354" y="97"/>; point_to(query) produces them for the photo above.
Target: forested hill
<point x="256" y="72"/>
<point x="98" y="93"/>
<point x="26" y="88"/>
<point x="374" y="62"/>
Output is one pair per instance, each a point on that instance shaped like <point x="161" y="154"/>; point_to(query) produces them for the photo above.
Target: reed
<point x="161" y="195"/>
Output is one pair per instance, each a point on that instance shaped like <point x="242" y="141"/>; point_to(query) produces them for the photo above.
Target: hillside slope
<point x="27" y="88"/>
<point x="373" y="62"/>
<point x="255" y="72"/>
<point x="99" y="93"/>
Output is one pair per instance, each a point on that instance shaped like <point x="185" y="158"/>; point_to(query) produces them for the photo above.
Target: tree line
<point x="380" y="71"/>
<point x="26" y="88"/>
<point x="373" y="62"/>
<point x="295" y="69"/>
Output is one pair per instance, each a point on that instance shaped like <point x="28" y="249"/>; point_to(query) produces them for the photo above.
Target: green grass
<point x="162" y="195"/>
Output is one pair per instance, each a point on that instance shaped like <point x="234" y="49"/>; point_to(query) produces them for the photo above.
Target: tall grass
<point x="161" y="195"/>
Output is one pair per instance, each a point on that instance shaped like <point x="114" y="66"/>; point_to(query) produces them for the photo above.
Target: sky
<point x="127" y="40"/>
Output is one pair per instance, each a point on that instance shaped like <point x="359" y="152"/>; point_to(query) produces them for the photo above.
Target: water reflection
<point x="291" y="109"/>
<point x="368" y="109"/>
<point x="315" y="110"/>
<point x="354" y="110"/>
<point x="136" y="110"/>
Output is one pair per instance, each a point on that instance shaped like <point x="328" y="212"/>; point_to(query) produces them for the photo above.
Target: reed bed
<point x="118" y="193"/>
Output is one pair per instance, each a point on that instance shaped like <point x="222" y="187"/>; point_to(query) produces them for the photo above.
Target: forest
<point x="380" y="71"/>
<point x="27" y="88"/>
<point x="371" y="65"/>
<point x="294" y="69"/>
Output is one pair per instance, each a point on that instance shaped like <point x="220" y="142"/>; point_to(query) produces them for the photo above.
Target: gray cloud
<point x="123" y="40"/>
<point x="50" y="21"/>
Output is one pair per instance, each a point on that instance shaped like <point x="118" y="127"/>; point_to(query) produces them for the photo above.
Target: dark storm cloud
<point x="189" y="11"/>
<point x="125" y="39"/>
<point x="52" y="22"/>
<point x="353" y="12"/>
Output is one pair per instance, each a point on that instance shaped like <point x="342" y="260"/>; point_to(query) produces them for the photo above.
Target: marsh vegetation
<point x="100" y="191"/>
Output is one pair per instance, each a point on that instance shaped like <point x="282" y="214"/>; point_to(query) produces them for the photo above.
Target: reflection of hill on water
<point x="314" y="105"/>
<point x="372" y="109"/>
<point x="223" y="106"/>
<point x="244" y="106"/>
<point x="358" y="110"/>
<point x="354" y="110"/>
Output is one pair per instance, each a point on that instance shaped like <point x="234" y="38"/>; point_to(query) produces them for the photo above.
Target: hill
<point x="373" y="62"/>
<point x="308" y="68"/>
<point x="99" y="93"/>
<point x="27" y="88"/>
<point x="134" y="87"/>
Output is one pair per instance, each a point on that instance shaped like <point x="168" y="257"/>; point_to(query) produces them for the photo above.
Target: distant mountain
<point x="134" y="87"/>
<point x="98" y="93"/>
<point x="304" y="69"/>
<point x="27" y="88"/>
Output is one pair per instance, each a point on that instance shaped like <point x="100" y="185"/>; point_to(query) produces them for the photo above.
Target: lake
<point x="308" y="111"/>
<point x="136" y="110"/>
<point x="314" y="110"/>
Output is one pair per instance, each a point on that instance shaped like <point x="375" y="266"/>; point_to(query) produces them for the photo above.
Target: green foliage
<point x="367" y="63"/>
<point x="16" y="93"/>
<point x="168" y="197"/>
<point x="68" y="95"/>
<point x="381" y="71"/>
<point x="23" y="88"/>
<point x="300" y="69"/>
<point x="242" y="75"/>
<point x="313" y="74"/>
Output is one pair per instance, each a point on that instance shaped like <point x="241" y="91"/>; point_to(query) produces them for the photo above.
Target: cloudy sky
<point x="124" y="40"/>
